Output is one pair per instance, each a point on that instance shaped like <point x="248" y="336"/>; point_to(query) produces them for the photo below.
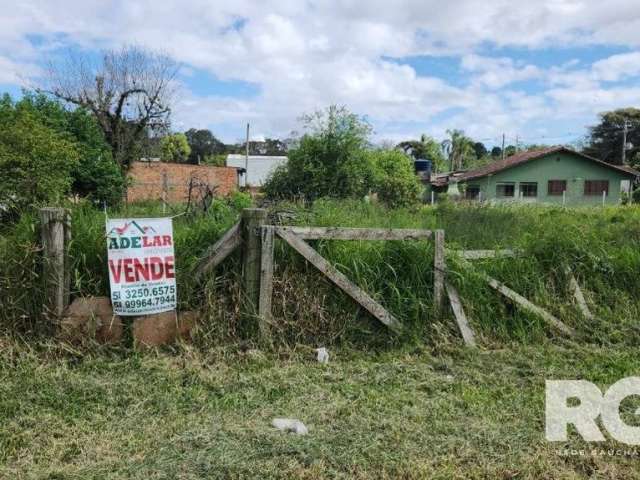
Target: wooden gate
<point x="258" y="260"/>
<point x="257" y="239"/>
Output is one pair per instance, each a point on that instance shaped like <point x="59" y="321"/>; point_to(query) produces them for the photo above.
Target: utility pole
<point x="246" y="159"/>
<point x="517" y="143"/>
<point x="627" y="124"/>
<point x="503" y="146"/>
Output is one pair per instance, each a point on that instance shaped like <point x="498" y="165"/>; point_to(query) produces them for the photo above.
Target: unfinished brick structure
<point x="150" y="180"/>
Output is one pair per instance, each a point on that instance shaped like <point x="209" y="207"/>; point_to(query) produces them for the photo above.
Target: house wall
<point x="147" y="180"/>
<point x="259" y="168"/>
<point x="560" y="166"/>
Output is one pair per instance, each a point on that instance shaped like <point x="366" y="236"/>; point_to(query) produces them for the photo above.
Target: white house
<point x="259" y="167"/>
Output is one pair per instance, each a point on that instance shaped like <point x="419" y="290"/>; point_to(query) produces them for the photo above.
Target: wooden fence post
<point x="439" y="267"/>
<point x="252" y="221"/>
<point x="55" y="238"/>
<point x="266" y="281"/>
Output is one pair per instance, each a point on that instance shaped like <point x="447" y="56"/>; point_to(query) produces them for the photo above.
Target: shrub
<point x="175" y="148"/>
<point x="395" y="182"/>
<point x="96" y="175"/>
<point x="35" y="161"/>
<point x="329" y="161"/>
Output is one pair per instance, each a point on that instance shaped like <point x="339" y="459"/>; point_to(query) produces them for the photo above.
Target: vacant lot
<point x="416" y="413"/>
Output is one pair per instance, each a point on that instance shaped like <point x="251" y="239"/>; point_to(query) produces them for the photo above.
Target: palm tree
<point x="458" y="148"/>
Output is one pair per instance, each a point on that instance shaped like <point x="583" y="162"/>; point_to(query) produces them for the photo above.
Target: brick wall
<point x="147" y="180"/>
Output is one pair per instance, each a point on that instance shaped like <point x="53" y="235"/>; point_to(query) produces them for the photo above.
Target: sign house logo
<point x="141" y="265"/>
<point x="587" y="404"/>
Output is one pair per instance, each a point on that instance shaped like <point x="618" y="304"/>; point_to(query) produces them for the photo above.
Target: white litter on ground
<point x="323" y="355"/>
<point x="290" y="425"/>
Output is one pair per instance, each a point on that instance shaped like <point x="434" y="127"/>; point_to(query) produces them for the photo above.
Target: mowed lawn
<point x="419" y="413"/>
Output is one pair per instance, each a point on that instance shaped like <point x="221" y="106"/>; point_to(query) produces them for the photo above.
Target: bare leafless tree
<point x="128" y="90"/>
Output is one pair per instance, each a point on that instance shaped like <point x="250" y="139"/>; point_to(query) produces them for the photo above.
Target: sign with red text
<point x="141" y="265"/>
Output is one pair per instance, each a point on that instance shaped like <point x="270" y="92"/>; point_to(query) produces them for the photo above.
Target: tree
<point x="203" y="144"/>
<point x="96" y="175"/>
<point x="425" y="148"/>
<point x="175" y="148"/>
<point x="268" y="146"/>
<point x="329" y="161"/>
<point x="35" y="161"/>
<point x="605" y="139"/>
<point x="333" y="159"/>
<point x="129" y="92"/>
<point x="496" y="152"/>
<point x="459" y="149"/>
<point x="274" y="146"/>
<point x="480" y="149"/>
<point x="510" y="150"/>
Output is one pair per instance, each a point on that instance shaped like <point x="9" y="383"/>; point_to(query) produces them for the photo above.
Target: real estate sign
<point x="141" y="265"/>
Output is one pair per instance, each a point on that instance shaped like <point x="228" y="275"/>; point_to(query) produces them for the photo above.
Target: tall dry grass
<point x="601" y="245"/>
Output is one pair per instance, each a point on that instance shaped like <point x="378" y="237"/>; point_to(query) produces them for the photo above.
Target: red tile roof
<point x="523" y="157"/>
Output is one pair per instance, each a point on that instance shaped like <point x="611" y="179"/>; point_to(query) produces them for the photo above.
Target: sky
<point x="539" y="70"/>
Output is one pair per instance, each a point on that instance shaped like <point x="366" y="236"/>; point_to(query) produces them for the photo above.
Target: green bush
<point x="329" y="161"/>
<point x="36" y="162"/>
<point x="334" y="160"/>
<point x="395" y="181"/>
<point x="175" y="148"/>
<point x="96" y="175"/>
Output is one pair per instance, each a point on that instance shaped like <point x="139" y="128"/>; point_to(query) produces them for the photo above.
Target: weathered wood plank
<point x="527" y="305"/>
<point x="266" y="281"/>
<point x="461" y="318"/>
<point x="479" y="254"/>
<point x="55" y="238"/>
<point x="439" y="267"/>
<point x="578" y="295"/>
<point x="339" y="279"/>
<point x="343" y="233"/>
<point x="219" y="250"/>
<point x="251" y="230"/>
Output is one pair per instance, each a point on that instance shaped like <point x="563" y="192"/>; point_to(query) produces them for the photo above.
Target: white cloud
<point x="16" y="73"/>
<point x="498" y="72"/>
<point x="305" y="55"/>
<point x="617" y="67"/>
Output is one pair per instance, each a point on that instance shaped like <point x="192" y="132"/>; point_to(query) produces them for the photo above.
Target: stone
<point x="323" y="355"/>
<point x="163" y="328"/>
<point x="91" y="317"/>
<point x="290" y="425"/>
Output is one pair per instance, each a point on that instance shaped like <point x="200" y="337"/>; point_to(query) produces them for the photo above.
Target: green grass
<point x="601" y="245"/>
<point x="411" y="406"/>
<point x="411" y="413"/>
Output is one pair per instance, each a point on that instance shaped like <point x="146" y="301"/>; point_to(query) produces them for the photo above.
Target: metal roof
<point x="524" y="157"/>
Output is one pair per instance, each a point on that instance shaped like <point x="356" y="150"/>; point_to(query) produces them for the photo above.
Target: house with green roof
<point x="553" y="175"/>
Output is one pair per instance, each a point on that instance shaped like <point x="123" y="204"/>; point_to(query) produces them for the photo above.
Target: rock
<point x="91" y="317"/>
<point x="163" y="328"/>
<point x="290" y="425"/>
<point x="323" y="355"/>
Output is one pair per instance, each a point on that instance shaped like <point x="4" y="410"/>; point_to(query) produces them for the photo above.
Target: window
<point x="528" y="189"/>
<point x="505" y="189"/>
<point x="472" y="192"/>
<point x="596" y="187"/>
<point x="556" y="187"/>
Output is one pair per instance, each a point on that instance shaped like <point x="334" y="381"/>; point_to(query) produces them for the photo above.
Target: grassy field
<point x="417" y="413"/>
<point x="418" y="405"/>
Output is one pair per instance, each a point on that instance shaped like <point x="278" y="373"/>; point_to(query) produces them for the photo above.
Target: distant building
<point x="553" y="175"/>
<point x="172" y="182"/>
<point x="258" y="168"/>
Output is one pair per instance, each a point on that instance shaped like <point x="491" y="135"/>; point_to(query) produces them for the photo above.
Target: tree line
<point x="81" y="129"/>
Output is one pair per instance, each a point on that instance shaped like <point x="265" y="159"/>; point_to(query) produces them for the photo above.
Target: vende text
<point x="130" y="270"/>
